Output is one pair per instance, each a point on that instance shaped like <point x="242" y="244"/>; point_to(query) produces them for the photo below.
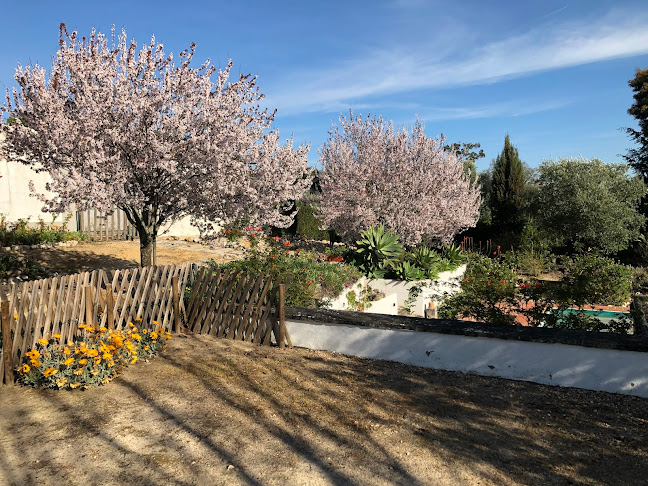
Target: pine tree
<point x="507" y="188"/>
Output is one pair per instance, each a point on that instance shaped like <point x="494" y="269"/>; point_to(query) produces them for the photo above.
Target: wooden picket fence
<point x="97" y="226"/>
<point x="235" y="306"/>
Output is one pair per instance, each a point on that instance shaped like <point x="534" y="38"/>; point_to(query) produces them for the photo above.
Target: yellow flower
<point x="167" y="336"/>
<point x="144" y="331"/>
<point x="154" y="335"/>
<point x="130" y="324"/>
<point x="137" y="337"/>
<point x="15" y="316"/>
<point x="66" y="351"/>
<point x="102" y="329"/>
<point x="70" y="343"/>
<point x="156" y="323"/>
<point x="68" y="361"/>
<point x="138" y="319"/>
<point x="43" y="342"/>
<point x="93" y="352"/>
<point x="75" y="385"/>
<point x="35" y="363"/>
<point x="146" y="348"/>
<point x="49" y="372"/>
<point x="56" y="336"/>
<point x="111" y="364"/>
<point x="134" y="360"/>
<point x="97" y="360"/>
<point x="78" y="372"/>
<point x="106" y="356"/>
<point x="94" y="372"/>
<point x="104" y="382"/>
<point x="83" y="361"/>
<point x="25" y="368"/>
<point x="61" y="382"/>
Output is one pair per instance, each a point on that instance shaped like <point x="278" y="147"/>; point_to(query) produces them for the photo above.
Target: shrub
<point x="595" y="279"/>
<point x="93" y="358"/>
<point x="310" y="283"/>
<point x="487" y="293"/>
<point x="20" y="233"/>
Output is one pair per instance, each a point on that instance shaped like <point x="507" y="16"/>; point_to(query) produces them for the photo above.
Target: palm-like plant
<point x="377" y="250"/>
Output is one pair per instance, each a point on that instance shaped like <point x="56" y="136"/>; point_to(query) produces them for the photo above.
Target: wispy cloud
<point x="506" y="109"/>
<point x="397" y="69"/>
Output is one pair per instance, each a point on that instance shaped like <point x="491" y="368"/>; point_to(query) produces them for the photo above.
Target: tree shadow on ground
<point x="271" y="414"/>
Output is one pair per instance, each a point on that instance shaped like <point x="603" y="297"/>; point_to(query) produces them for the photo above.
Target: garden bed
<point x="212" y="411"/>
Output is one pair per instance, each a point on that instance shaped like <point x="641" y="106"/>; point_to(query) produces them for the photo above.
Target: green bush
<point x="20" y="233"/>
<point x="595" y="279"/>
<point x="311" y="283"/>
<point x="487" y="293"/>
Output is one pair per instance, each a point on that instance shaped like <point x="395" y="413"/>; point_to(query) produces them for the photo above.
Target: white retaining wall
<point x="551" y="364"/>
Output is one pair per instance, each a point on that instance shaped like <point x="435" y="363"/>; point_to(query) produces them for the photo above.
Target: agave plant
<point x="425" y="258"/>
<point x="377" y="250"/>
<point x="454" y="254"/>
<point x="408" y="272"/>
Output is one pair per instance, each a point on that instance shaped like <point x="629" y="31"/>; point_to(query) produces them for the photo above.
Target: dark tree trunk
<point x="147" y="240"/>
<point x="147" y="225"/>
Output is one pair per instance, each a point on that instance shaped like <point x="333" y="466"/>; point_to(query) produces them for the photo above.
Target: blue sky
<point x="553" y="74"/>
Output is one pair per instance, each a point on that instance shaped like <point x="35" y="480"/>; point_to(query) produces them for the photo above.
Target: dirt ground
<point x="114" y="255"/>
<point x="212" y="411"/>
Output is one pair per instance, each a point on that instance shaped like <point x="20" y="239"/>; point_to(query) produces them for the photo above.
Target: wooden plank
<point x="249" y="308"/>
<point x="230" y="280"/>
<point x="196" y="290"/>
<point x="89" y="318"/>
<point x="205" y="317"/>
<point x="239" y="309"/>
<point x="56" y="324"/>
<point x="131" y="279"/>
<point x="110" y="308"/>
<point x="7" y="357"/>
<point x="251" y="334"/>
<point x="176" y="303"/>
<point x="268" y="318"/>
<point x="281" y="337"/>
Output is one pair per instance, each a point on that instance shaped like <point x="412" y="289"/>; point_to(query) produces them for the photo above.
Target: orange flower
<point x="287" y="243"/>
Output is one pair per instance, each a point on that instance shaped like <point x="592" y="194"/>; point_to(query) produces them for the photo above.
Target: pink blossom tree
<point x="373" y="174"/>
<point x="115" y="127"/>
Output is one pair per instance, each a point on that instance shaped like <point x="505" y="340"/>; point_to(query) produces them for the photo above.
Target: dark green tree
<point x="588" y="204"/>
<point x="638" y="157"/>
<point x="507" y="189"/>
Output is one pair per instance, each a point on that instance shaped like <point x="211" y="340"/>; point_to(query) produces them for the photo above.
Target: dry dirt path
<point x="114" y="255"/>
<point x="210" y="411"/>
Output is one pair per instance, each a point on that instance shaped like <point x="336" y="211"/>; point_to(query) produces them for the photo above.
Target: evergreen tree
<point x="638" y="157"/>
<point x="508" y="182"/>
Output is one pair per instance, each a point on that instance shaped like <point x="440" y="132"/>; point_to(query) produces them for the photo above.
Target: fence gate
<point x="237" y="306"/>
<point x="97" y="226"/>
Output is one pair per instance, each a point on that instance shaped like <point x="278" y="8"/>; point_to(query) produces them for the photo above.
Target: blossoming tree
<point x="115" y="127"/>
<point x="373" y="174"/>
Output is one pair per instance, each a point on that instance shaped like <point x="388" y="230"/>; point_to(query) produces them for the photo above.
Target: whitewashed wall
<point x="551" y="364"/>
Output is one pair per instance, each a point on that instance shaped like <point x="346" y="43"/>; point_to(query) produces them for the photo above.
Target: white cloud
<point x="399" y="70"/>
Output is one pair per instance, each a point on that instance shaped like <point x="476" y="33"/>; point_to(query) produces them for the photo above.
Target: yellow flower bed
<point x="93" y="358"/>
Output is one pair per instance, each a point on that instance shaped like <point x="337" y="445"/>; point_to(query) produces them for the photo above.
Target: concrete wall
<point x="611" y="370"/>
<point x="16" y="201"/>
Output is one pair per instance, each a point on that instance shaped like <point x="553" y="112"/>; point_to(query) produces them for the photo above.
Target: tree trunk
<point x="146" y="247"/>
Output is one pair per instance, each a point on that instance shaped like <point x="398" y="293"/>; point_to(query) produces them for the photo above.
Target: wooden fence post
<point x="281" y="338"/>
<point x="176" y="303"/>
<point x="110" y="308"/>
<point x="88" y="306"/>
<point x="6" y="342"/>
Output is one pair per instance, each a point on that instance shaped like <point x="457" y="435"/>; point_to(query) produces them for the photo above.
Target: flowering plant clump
<point x="94" y="357"/>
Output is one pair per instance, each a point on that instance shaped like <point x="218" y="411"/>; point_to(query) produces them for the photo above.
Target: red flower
<point x="308" y="282"/>
<point x="276" y="238"/>
<point x="498" y="247"/>
<point x="253" y="234"/>
<point x="259" y="229"/>
<point x="297" y="250"/>
<point x="227" y="232"/>
<point x="272" y="255"/>
<point x="488" y="283"/>
<point x="494" y="253"/>
<point x="287" y="243"/>
<point x="503" y="282"/>
<point x="466" y="279"/>
<point x="248" y="228"/>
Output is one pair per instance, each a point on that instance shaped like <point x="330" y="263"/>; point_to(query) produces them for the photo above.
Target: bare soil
<point x="212" y="411"/>
<point x="114" y="255"/>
